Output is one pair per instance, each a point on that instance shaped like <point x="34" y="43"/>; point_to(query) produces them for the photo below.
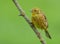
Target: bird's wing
<point x="46" y="22"/>
<point x="43" y="19"/>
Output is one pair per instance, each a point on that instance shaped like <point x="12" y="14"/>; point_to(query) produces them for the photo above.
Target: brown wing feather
<point x="44" y="21"/>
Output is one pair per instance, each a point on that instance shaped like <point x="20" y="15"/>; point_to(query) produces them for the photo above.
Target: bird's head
<point x="36" y="11"/>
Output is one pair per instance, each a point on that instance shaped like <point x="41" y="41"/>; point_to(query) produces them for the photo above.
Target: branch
<point x="22" y="13"/>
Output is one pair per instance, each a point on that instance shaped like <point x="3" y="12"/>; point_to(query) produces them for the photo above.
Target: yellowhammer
<point x="39" y="20"/>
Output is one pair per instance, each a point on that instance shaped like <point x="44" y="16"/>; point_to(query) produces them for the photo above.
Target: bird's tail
<point x="47" y="34"/>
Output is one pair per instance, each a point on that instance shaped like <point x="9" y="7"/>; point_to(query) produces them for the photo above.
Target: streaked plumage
<point x="40" y="21"/>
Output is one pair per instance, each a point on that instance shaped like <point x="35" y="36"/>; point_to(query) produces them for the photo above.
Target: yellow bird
<point x="40" y="21"/>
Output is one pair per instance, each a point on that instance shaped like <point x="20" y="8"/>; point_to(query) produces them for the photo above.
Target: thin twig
<point x="22" y="13"/>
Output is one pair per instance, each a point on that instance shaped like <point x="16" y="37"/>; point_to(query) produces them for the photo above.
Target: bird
<point x="39" y="20"/>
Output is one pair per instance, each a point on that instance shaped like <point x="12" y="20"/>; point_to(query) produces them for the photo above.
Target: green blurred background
<point x="15" y="30"/>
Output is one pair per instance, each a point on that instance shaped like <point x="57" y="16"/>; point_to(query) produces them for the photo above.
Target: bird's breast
<point x="37" y="21"/>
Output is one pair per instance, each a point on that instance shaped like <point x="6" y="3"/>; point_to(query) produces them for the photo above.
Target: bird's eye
<point x="34" y="10"/>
